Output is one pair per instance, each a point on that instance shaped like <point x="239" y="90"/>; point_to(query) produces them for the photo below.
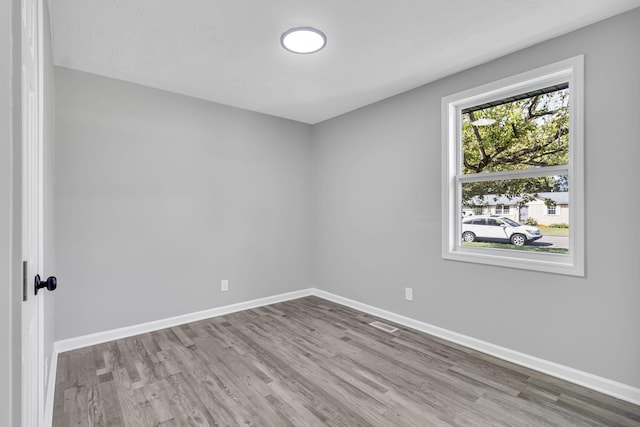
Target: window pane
<point x="502" y="209"/>
<point x="524" y="222"/>
<point x="519" y="134"/>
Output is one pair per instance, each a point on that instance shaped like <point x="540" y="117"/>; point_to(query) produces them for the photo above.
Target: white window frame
<point x="556" y="209"/>
<point x="569" y="71"/>
<point x="502" y="210"/>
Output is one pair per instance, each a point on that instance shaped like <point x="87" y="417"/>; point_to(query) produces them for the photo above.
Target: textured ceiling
<point x="228" y="51"/>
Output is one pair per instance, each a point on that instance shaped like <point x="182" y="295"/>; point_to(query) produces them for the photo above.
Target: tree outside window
<point x="516" y="135"/>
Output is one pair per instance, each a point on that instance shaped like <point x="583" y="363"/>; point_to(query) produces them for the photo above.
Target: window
<point x="502" y="210"/>
<point x="516" y="143"/>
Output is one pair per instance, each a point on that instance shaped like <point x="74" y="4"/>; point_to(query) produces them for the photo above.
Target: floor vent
<point x="383" y="326"/>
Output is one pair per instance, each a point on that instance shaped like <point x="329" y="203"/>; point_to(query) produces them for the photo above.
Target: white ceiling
<point x="228" y="51"/>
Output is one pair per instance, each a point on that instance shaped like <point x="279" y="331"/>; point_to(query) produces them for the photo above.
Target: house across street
<point x="548" y="208"/>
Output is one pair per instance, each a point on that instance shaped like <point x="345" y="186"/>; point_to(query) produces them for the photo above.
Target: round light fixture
<point x="303" y="40"/>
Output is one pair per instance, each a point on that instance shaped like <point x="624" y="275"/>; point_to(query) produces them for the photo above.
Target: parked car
<point x="497" y="229"/>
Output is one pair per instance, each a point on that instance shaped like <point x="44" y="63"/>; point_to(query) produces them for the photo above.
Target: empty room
<point x="338" y="213"/>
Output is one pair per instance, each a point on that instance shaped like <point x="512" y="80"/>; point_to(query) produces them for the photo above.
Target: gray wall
<point x="377" y="187"/>
<point x="160" y="196"/>
<point x="16" y="292"/>
<point x="5" y="212"/>
<point x="10" y="250"/>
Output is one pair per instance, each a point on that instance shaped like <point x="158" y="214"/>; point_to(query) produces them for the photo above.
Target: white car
<point x="498" y="229"/>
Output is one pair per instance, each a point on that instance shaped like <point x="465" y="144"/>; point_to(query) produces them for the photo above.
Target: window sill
<point x="541" y="262"/>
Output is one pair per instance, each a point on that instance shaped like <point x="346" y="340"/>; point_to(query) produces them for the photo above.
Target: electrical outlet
<point x="224" y="285"/>
<point x="408" y="294"/>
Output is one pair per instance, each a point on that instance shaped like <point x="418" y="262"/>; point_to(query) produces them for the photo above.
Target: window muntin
<point x="548" y="102"/>
<point x="552" y="209"/>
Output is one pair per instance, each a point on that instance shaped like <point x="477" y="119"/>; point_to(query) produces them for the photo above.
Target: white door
<point x="32" y="219"/>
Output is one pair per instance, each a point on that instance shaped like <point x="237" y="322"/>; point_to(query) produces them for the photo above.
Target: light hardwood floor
<point x="310" y="362"/>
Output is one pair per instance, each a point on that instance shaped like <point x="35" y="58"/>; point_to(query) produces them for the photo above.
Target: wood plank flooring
<point x="310" y="362"/>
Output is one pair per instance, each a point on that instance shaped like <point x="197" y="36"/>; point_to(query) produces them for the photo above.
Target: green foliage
<point x="559" y="225"/>
<point x="531" y="221"/>
<point x="527" y="133"/>
<point x="524" y="189"/>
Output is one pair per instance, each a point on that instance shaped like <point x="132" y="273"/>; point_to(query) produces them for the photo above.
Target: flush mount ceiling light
<point x="303" y="40"/>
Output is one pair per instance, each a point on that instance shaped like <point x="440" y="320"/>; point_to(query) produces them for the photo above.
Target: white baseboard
<point x="129" y="331"/>
<point x="594" y="382"/>
<point x="585" y="379"/>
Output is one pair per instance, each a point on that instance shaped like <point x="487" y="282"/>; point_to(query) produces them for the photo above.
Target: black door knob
<point x="51" y="283"/>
